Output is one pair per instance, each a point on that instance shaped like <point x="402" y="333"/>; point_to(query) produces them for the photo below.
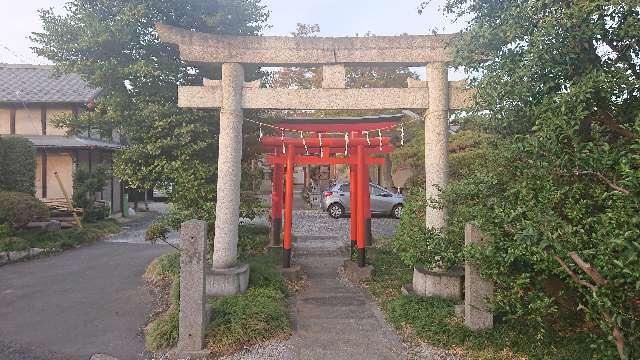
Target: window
<point x="376" y="191"/>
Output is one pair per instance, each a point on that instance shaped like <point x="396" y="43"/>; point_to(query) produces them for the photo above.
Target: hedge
<point x="17" y="165"/>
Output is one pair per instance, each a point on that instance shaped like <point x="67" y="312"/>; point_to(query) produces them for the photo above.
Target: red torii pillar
<point x="276" y="204"/>
<point x="288" y="208"/>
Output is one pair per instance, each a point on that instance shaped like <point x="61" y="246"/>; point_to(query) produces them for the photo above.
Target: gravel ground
<point x="307" y="222"/>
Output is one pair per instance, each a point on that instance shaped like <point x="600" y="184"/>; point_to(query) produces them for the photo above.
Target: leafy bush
<point x="13" y="244"/>
<point x="417" y="244"/>
<point x="5" y="231"/>
<point x="85" y="185"/>
<point x="252" y="239"/>
<point x="97" y="212"/>
<point x="17" y="165"/>
<point x="19" y="209"/>
<point x="432" y="321"/>
<point x="247" y="319"/>
<point x="68" y="238"/>
<point x="242" y="320"/>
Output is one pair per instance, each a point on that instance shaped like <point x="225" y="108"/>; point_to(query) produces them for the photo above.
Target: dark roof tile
<point x="39" y="84"/>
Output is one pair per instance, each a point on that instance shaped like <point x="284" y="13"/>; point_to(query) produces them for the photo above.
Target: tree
<point x="114" y="46"/>
<point x="558" y="185"/>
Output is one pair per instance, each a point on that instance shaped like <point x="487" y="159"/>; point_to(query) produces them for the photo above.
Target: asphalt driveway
<point x="83" y="301"/>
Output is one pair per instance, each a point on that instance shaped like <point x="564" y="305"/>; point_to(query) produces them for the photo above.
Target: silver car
<point x="336" y="202"/>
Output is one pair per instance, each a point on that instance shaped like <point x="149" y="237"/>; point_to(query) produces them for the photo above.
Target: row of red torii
<point x="232" y="95"/>
<point x="354" y="150"/>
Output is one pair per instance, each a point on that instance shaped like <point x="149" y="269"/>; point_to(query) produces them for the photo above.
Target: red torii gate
<point x="303" y="151"/>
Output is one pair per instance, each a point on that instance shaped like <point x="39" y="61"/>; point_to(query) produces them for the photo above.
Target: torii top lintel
<point x="405" y="50"/>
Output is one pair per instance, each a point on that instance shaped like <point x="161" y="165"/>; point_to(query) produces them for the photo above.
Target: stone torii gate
<point x="232" y="94"/>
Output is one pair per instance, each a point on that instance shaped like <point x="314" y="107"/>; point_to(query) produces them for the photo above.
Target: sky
<point x="18" y="19"/>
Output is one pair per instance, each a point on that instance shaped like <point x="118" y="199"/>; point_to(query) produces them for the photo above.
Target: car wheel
<point x="335" y="210"/>
<point x="397" y="211"/>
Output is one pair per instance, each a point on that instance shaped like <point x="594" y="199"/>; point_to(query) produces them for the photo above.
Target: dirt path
<point x="83" y="301"/>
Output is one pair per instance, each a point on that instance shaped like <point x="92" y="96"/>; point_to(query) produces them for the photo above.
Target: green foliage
<point x="168" y="147"/>
<point x="19" y="209"/>
<point x="5" y="231"/>
<point x="417" y="244"/>
<point x="17" y="165"/>
<point x="252" y="239"/>
<point x="85" y="185"/>
<point x="68" y="238"/>
<point x="557" y="86"/>
<point x="163" y="332"/>
<point x="432" y="321"/>
<point x="165" y="268"/>
<point x="248" y="319"/>
<point x="242" y="320"/>
<point x="13" y="244"/>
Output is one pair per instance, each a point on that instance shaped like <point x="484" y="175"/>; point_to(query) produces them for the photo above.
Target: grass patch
<point x="432" y="321"/>
<point x="67" y="238"/>
<point x="242" y="320"/>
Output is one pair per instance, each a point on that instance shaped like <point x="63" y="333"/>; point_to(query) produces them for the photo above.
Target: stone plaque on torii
<point x="232" y="94"/>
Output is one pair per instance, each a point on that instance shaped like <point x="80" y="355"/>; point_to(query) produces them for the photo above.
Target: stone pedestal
<point x="444" y="284"/>
<point x="477" y="314"/>
<point x="229" y="281"/>
<point x="355" y="273"/>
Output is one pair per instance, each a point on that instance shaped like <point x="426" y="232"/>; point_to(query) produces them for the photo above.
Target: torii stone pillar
<point x="227" y="277"/>
<point x="436" y="134"/>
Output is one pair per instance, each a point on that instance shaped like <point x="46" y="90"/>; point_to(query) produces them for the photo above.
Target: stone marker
<point x="477" y="315"/>
<point x="193" y="312"/>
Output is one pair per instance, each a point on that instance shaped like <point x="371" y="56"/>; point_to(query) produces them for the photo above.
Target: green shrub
<point x="19" y="209"/>
<point x="162" y="333"/>
<point x="5" y="231"/>
<point x="17" y="165"/>
<point x="247" y="319"/>
<point x="417" y="244"/>
<point x="13" y="244"/>
<point x="96" y="213"/>
<point x="241" y="320"/>
<point x="252" y="239"/>
<point x="85" y="185"/>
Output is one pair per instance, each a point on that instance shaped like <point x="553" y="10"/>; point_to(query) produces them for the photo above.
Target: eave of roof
<point x="69" y="142"/>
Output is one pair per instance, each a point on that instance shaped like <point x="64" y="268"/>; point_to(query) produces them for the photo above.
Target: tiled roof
<point x="69" y="142"/>
<point x="39" y="84"/>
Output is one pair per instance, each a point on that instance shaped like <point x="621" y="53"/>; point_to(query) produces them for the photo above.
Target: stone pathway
<point x="335" y="320"/>
<point x="332" y="319"/>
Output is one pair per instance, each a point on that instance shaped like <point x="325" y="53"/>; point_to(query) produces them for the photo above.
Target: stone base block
<point x="188" y="355"/>
<point x="355" y="273"/>
<point x="294" y="273"/>
<point x="446" y="284"/>
<point x="225" y="282"/>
